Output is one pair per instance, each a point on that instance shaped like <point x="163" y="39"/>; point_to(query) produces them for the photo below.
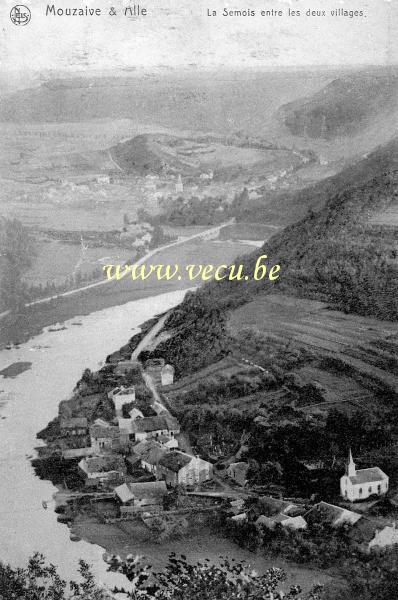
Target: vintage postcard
<point x="199" y="300"/>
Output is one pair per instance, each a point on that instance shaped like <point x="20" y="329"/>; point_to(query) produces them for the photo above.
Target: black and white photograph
<point x="199" y="300"/>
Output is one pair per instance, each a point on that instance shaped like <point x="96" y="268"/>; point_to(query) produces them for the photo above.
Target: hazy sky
<point x="178" y="32"/>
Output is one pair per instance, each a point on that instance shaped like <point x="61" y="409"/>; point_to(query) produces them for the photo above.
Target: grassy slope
<point x="344" y="106"/>
<point x="335" y="255"/>
<point x="288" y="207"/>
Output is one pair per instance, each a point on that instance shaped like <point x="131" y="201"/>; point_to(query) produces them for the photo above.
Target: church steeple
<point x="351" y="468"/>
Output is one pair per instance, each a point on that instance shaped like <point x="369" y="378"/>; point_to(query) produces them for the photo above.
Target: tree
<point x="41" y="581"/>
<point x="374" y="577"/>
<point x="230" y="580"/>
<point x="179" y="580"/>
<point x="17" y="251"/>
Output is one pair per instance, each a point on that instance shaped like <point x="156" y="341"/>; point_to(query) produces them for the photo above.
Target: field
<point x="367" y="348"/>
<point x="119" y="292"/>
<point x="248" y="231"/>
<point x="387" y="217"/>
<point x="144" y="154"/>
<point x="67" y="259"/>
<point x="176" y="394"/>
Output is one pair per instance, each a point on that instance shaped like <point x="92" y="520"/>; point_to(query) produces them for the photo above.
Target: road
<point x="148" y="338"/>
<point x="206" y="233"/>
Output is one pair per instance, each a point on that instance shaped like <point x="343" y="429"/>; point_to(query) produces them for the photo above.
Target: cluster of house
<point x="355" y="485"/>
<point x="364" y="532"/>
<point x="147" y="442"/>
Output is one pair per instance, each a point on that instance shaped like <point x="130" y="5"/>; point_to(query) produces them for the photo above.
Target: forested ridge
<point x="337" y="255"/>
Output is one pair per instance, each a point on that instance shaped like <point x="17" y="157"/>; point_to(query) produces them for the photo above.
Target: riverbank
<point x="29" y="400"/>
<point x="17" y="329"/>
<point x="96" y="522"/>
<point x="200" y="543"/>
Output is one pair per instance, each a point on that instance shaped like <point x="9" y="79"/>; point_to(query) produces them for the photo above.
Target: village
<point x="124" y="457"/>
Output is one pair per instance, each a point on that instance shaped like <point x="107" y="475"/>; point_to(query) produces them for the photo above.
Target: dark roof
<point x="271" y="506"/>
<point x="148" y="489"/>
<point x="364" y="531"/>
<point x="143" y="446"/>
<point x="104" y="464"/>
<point x="371" y="475"/>
<point x="171" y="421"/>
<point x="98" y="431"/>
<point x="175" y="461"/>
<point x="147" y="424"/>
<point x="334" y="515"/>
<point x="73" y="422"/>
<point x="153" y="454"/>
<point x="154" y="362"/>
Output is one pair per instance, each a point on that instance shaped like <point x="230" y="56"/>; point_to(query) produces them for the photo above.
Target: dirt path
<point x="149" y="336"/>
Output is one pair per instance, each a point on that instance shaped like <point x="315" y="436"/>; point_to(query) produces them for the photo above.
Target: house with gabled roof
<point x="332" y="514"/>
<point x="120" y="396"/>
<point x="153" y="427"/>
<point x="269" y="506"/>
<point x="103" y="467"/>
<point x="104" y="439"/>
<point x="372" y="534"/>
<point x="73" y="426"/>
<point x="135" y="413"/>
<point x="150" y="455"/>
<point x="167" y="441"/>
<point x="142" y="496"/>
<point x="125" y="425"/>
<point x="359" y="484"/>
<point x="291" y="522"/>
<point x="179" y="468"/>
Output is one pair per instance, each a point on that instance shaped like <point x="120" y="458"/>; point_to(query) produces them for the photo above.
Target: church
<point x="359" y="484"/>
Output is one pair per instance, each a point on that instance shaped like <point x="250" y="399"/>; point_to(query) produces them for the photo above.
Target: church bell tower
<point x="351" y="467"/>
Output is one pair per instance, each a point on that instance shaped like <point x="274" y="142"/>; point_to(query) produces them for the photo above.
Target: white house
<point x="135" y="413"/>
<point x="359" y="484"/>
<point x="121" y="395"/>
<point x="167" y="375"/>
<point x="388" y="536"/>
<point x="285" y="520"/>
<point x="167" y="441"/>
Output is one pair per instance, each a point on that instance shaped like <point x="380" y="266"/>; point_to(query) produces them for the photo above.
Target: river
<point x="27" y="402"/>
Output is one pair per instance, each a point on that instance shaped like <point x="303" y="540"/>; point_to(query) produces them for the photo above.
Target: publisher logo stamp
<point x="20" y="14"/>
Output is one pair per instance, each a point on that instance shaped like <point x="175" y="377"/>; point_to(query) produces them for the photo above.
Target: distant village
<point x="130" y="460"/>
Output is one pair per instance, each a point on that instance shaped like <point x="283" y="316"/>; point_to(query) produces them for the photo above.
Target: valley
<point x="269" y="383"/>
